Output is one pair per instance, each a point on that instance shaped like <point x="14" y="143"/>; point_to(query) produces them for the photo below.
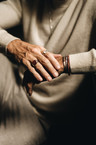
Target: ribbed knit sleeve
<point x="10" y="16"/>
<point x="83" y="62"/>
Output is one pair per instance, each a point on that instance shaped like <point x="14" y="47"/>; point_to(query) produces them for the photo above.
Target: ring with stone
<point x="34" y="62"/>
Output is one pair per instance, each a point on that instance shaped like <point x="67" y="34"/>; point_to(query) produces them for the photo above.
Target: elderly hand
<point x="33" y="57"/>
<point x="29" y="80"/>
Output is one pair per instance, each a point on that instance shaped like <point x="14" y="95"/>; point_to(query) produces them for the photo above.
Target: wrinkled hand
<point x="29" y="80"/>
<point x="26" y="53"/>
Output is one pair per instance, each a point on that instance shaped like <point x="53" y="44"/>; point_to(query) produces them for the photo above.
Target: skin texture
<point x="26" y="53"/>
<point x="48" y="66"/>
<point x="29" y="80"/>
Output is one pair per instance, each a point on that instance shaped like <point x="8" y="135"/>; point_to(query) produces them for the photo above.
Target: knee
<point x="6" y="74"/>
<point x="4" y="62"/>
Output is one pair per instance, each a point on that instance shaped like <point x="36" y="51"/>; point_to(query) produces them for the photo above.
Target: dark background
<point x="81" y="130"/>
<point x="16" y="31"/>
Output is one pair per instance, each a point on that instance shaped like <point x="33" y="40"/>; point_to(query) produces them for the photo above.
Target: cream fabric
<point x="41" y="38"/>
<point x="86" y="63"/>
<point x="71" y="35"/>
<point x="19" y="125"/>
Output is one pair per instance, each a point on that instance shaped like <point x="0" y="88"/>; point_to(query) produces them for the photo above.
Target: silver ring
<point x="44" y="52"/>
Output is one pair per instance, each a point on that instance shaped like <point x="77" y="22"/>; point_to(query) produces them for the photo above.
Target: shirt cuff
<point x="83" y="62"/>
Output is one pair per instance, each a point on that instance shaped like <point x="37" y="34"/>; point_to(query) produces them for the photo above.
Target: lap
<point x="19" y="125"/>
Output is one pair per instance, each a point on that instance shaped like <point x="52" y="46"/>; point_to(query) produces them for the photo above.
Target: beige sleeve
<point x="83" y="62"/>
<point x="10" y="15"/>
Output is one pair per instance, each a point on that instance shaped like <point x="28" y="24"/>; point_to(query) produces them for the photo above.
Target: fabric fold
<point x="65" y="27"/>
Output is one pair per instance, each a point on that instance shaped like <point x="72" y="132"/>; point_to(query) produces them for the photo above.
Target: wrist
<point x="9" y="48"/>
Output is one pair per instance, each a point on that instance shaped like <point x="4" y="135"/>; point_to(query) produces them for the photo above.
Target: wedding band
<point x="34" y="62"/>
<point x="44" y="52"/>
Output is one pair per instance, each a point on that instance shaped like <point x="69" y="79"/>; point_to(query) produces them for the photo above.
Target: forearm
<point x="10" y="15"/>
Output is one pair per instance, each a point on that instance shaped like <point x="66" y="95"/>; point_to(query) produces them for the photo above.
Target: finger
<point x="56" y="55"/>
<point x="29" y="91"/>
<point x="32" y="70"/>
<point x="28" y="81"/>
<point x="43" y="72"/>
<point x="53" y="60"/>
<point x="40" y="68"/>
<point x="47" y="64"/>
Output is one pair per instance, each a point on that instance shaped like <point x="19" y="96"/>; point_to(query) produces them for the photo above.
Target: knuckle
<point x="21" y="43"/>
<point x="46" y="61"/>
<point x="38" y="67"/>
<point x="27" y="54"/>
<point x="27" y="46"/>
<point x="47" y="75"/>
<point x="42" y="48"/>
<point x="34" y="50"/>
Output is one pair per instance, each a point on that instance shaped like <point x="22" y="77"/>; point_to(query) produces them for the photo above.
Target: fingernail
<point x="40" y="79"/>
<point x="58" y="66"/>
<point x="49" y="78"/>
<point x="56" y="74"/>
